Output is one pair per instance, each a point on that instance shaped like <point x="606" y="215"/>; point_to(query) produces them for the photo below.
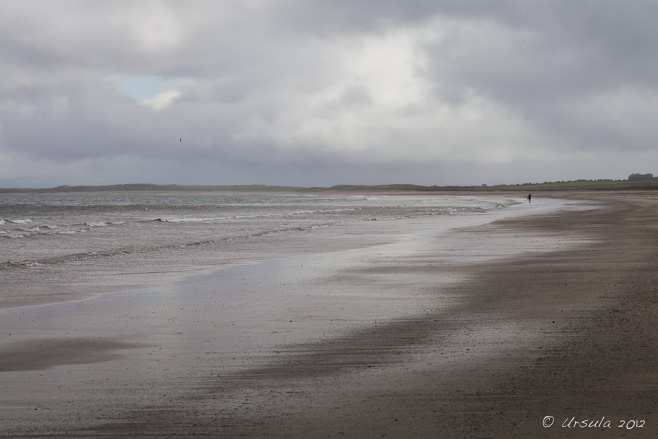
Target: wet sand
<point x="482" y="333"/>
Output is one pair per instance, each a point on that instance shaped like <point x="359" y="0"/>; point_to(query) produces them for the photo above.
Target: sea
<point x="59" y="247"/>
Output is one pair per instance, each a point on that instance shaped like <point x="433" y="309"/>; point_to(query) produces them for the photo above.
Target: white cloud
<point x="380" y="106"/>
<point x="157" y="30"/>
<point x="162" y="100"/>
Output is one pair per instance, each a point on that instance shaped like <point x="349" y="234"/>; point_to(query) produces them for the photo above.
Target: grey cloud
<point x="550" y="65"/>
<point x="302" y="92"/>
<point x="342" y="16"/>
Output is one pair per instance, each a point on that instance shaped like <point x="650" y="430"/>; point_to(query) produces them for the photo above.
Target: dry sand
<point x="566" y="331"/>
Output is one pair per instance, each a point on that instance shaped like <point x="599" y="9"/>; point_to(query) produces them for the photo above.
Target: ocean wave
<point x="364" y="197"/>
<point x="158" y="231"/>
<point x="77" y="257"/>
<point x="36" y="230"/>
<point x="186" y="220"/>
<point x="12" y="236"/>
<point x="175" y="220"/>
<point x="97" y="224"/>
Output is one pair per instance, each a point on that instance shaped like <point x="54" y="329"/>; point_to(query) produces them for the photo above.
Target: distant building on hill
<point x="640" y="177"/>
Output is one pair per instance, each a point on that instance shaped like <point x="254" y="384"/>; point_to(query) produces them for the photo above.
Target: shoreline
<point x="518" y="339"/>
<point x="43" y="284"/>
<point x="574" y="352"/>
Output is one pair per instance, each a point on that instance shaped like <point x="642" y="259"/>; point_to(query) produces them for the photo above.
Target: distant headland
<point x="633" y="182"/>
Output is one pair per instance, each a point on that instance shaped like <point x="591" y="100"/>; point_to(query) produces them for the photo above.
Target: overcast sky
<point x="305" y="93"/>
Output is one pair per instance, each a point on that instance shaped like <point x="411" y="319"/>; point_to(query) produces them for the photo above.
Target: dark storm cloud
<point x="540" y="59"/>
<point x="302" y="92"/>
<point x="557" y="64"/>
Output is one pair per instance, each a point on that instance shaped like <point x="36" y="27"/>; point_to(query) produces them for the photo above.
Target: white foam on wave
<point x="10" y="236"/>
<point x="185" y="220"/>
<point x="97" y="224"/>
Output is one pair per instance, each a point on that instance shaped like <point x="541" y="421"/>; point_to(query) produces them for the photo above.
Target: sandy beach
<point x="539" y="324"/>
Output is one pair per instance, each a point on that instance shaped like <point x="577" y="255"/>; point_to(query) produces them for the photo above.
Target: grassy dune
<point x="580" y="185"/>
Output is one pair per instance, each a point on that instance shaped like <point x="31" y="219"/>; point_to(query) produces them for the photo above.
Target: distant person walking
<point x="529" y="198"/>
